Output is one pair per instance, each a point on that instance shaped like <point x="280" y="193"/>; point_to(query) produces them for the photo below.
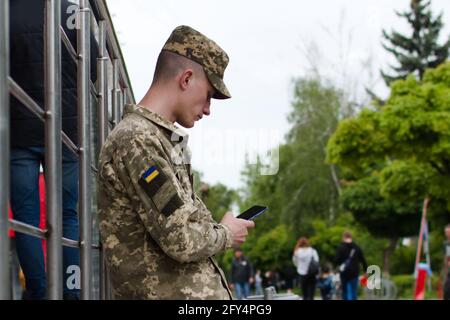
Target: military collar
<point x="157" y="119"/>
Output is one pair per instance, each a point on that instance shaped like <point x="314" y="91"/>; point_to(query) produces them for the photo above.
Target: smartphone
<point x="252" y="213"/>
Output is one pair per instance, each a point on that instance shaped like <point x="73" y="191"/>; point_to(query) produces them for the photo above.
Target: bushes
<point x="402" y="260"/>
<point x="405" y="286"/>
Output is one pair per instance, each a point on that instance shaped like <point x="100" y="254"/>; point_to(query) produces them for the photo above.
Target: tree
<point x="305" y="188"/>
<point x="404" y="148"/>
<point x="413" y="126"/>
<point x="383" y="217"/>
<point x="421" y="50"/>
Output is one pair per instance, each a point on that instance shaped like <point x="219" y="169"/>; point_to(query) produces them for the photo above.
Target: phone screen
<point x="252" y="213"/>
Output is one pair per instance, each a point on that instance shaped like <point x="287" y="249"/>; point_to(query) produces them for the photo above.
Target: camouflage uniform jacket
<point x="159" y="238"/>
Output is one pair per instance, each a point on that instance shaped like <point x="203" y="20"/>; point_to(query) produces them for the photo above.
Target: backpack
<point x="313" y="267"/>
<point x="344" y="266"/>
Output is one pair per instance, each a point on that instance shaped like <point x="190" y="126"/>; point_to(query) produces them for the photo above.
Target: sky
<point x="270" y="43"/>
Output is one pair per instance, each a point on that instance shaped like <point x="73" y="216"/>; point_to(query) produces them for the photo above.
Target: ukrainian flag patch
<point x="150" y="174"/>
<point x="157" y="186"/>
<point x="152" y="180"/>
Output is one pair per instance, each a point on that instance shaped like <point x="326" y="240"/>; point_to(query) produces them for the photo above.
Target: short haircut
<point x="347" y="235"/>
<point x="169" y="64"/>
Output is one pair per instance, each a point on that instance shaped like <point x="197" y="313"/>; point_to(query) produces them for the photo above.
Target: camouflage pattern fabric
<point x="159" y="238"/>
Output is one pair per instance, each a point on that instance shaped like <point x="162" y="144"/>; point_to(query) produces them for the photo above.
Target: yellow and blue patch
<point x="150" y="174"/>
<point x="165" y="199"/>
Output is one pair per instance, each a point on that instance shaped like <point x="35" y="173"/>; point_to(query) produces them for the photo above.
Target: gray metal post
<point x="52" y="76"/>
<point x="116" y="93"/>
<point x="5" y="276"/>
<point x="102" y="105"/>
<point x="121" y="103"/>
<point x="83" y="50"/>
<point x="102" y="85"/>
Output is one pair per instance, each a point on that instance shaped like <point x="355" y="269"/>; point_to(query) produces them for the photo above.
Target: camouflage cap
<point x="193" y="45"/>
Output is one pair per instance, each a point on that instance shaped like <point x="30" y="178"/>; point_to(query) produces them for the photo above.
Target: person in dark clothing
<point x="27" y="140"/>
<point x="241" y="275"/>
<point x="447" y="263"/>
<point x="289" y="276"/>
<point x="325" y="283"/>
<point x="348" y="258"/>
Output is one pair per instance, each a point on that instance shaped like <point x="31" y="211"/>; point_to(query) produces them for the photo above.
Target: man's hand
<point x="238" y="228"/>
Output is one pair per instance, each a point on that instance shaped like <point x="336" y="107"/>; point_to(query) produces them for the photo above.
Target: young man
<point x="348" y="257"/>
<point x="158" y="236"/>
<point x="241" y="275"/>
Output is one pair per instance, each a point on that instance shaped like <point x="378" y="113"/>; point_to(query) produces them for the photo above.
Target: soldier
<point x="159" y="238"/>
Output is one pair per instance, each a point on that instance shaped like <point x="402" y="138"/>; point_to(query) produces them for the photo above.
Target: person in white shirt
<point x="306" y="259"/>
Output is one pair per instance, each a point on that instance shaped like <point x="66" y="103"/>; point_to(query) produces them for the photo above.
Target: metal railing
<point x="112" y="79"/>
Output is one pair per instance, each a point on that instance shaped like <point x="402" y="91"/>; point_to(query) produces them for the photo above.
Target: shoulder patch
<point x="159" y="188"/>
<point x="152" y="180"/>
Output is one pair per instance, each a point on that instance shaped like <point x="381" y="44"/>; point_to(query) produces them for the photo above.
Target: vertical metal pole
<point x="83" y="49"/>
<point x="102" y="88"/>
<point x="52" y="76"/>
<point x="116" y="93"/>
<point x="5" y="276"/>
<point x="102" y="85"/>
<point x="121" y="103"/>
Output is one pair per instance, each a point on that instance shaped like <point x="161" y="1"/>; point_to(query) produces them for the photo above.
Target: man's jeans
<point x="25" y="205"/>
<point x="350" y="289"/>
<point x="242" y="290"/>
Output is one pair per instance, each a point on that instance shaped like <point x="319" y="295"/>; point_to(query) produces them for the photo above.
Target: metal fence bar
<point x="102" y="112"/>
<point x="83" y="43"/>
<point x="114" y="47"/>
<point x="5" y="276"/>
<point x="115" y="93"/>
<point x="22" y="227"/>
<point x="102" y="85"/>
<point x="122" y="102"/>
<point x="68" y="45"/>
<point x="53" y="152"/>
<point x="26" y="100"/>
<point x="73" y="55"/>
<point x="69" y="143"/>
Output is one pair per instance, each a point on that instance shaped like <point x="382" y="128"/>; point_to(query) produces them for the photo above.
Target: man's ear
<point x="186" y="78"/>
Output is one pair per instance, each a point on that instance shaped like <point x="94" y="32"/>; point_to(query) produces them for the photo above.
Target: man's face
<point x="238" y="254"/>
<point x="196" y="100"/>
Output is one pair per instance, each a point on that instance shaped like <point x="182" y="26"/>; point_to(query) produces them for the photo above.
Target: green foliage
<point x="218" y="199"/>
<point x="403" y="259"/>
<point x="271" y="250"/>
<point x="420" y="50"/>
<point x="383" y="218"/>
<point x="303" y="189"/>
<point x="358" y="143"/>
<point x="326" y="240"/>
<point x="404" y="147"/>
<point x="405" y="286"/>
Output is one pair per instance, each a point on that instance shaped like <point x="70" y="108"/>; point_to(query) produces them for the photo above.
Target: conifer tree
<point x="420" y="50"/>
